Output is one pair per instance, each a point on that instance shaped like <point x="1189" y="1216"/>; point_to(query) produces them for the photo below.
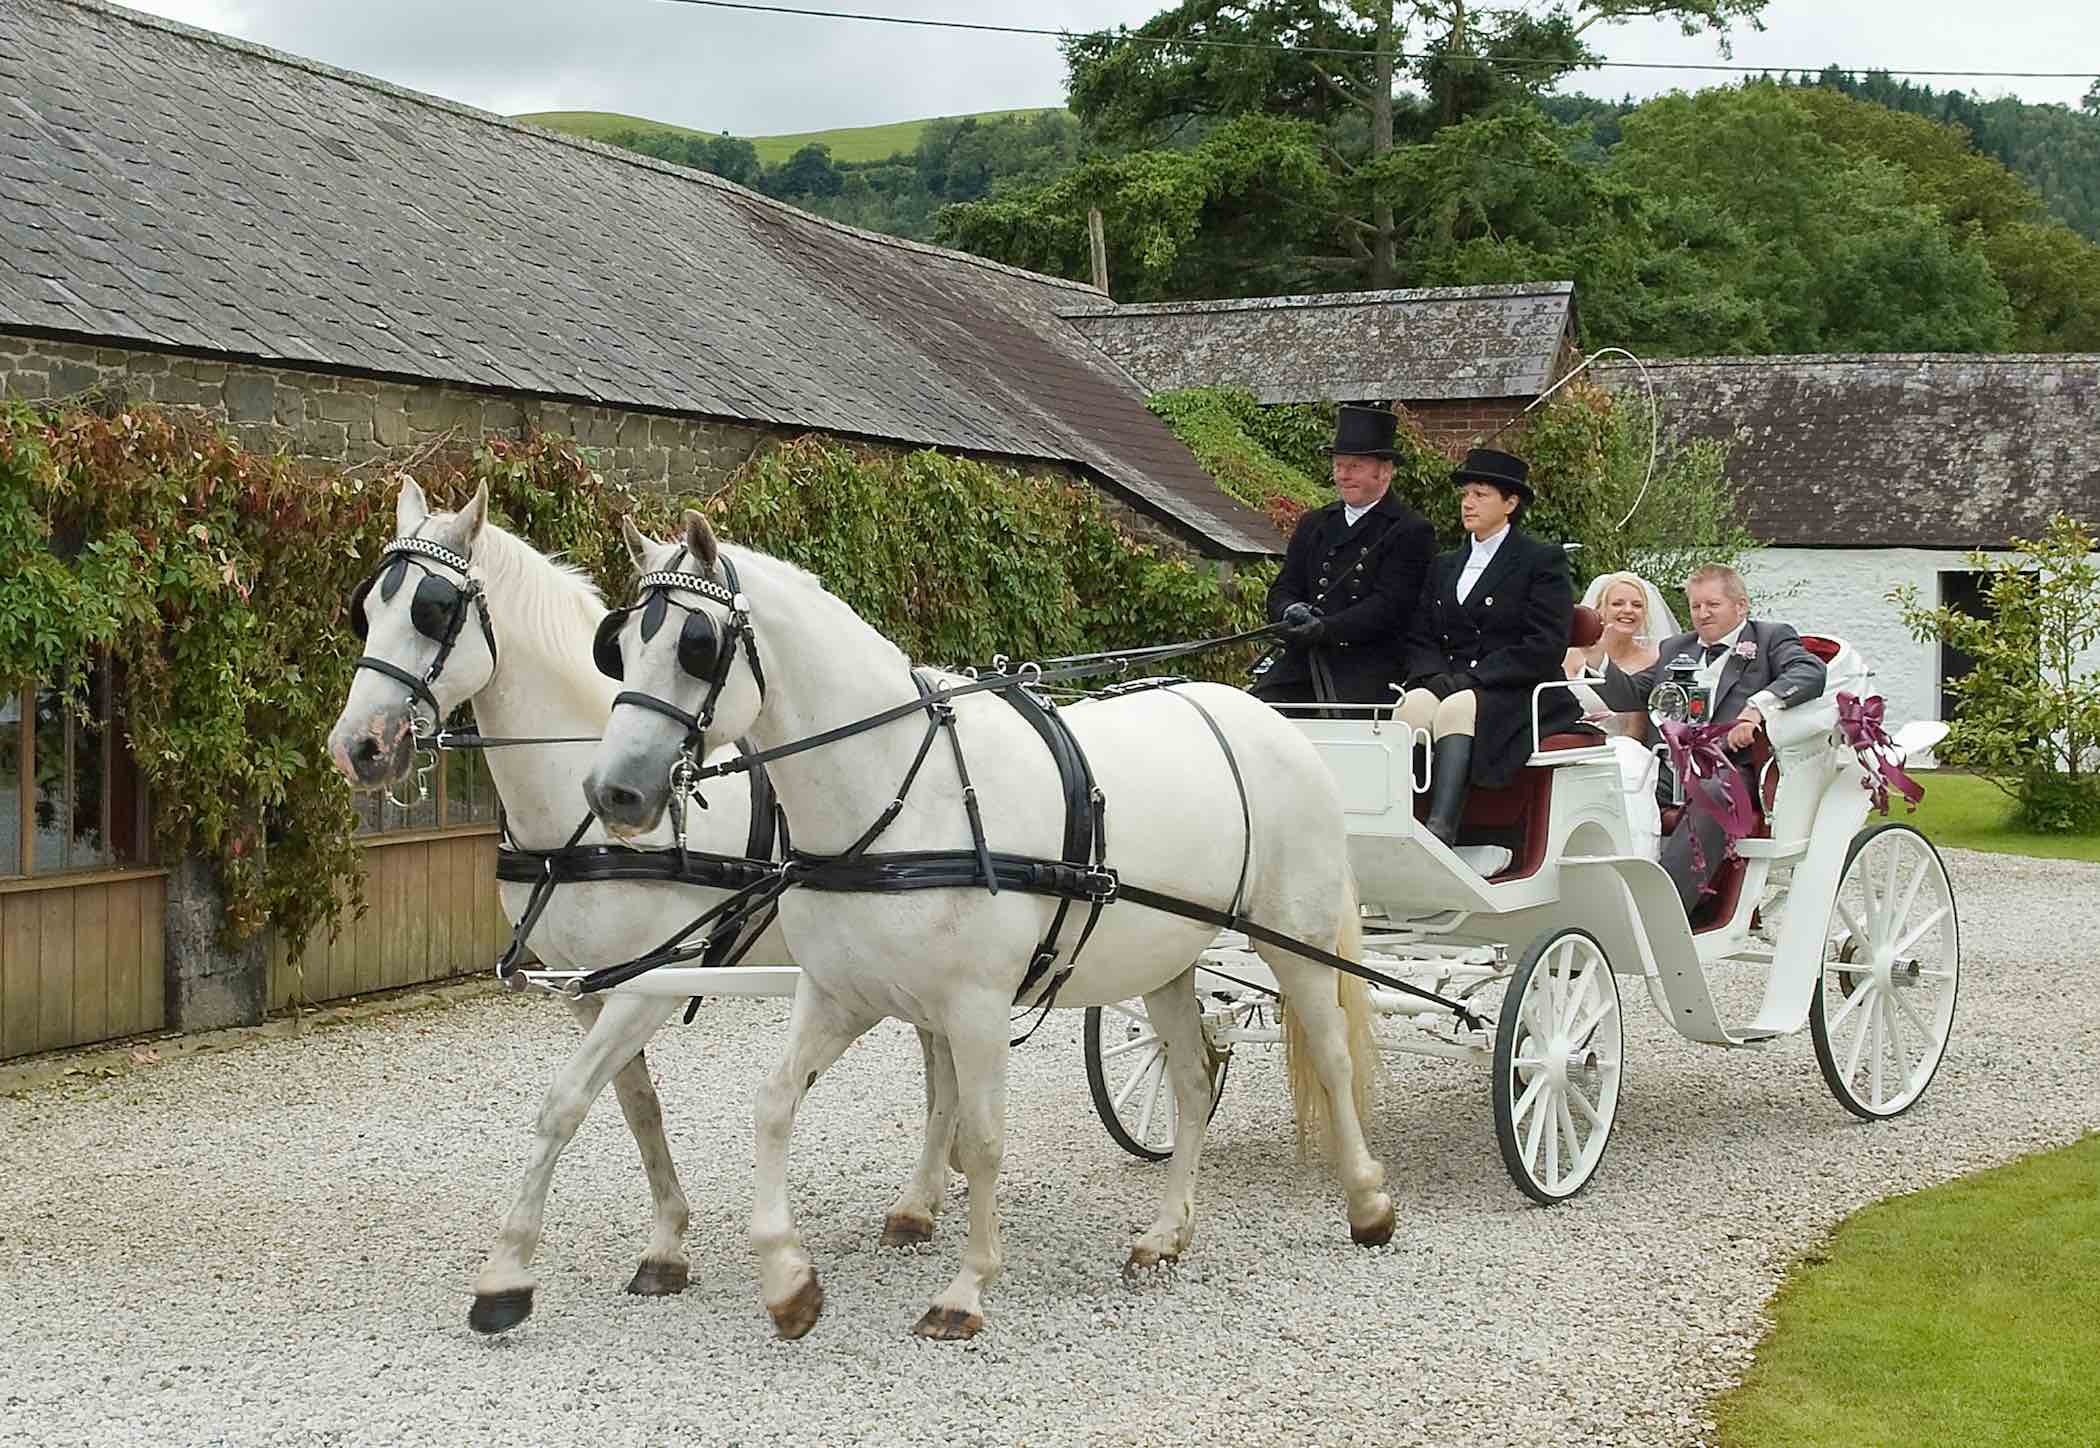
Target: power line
<point x="1167" y="42"/>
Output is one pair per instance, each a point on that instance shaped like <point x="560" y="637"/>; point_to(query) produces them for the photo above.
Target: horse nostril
<point x="620" y="798"/>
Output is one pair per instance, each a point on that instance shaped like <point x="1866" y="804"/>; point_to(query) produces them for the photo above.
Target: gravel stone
<point x="275" y="1244"/>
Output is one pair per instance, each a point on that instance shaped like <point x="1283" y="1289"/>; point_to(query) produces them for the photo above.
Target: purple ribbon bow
<point x="1860" y="722"/>
<point x="1699" y="752"/>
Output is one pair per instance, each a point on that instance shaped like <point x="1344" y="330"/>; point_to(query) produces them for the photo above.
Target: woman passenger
<point x="1493" y="625"/>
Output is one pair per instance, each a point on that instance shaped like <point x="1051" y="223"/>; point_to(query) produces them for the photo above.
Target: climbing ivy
<point x="217" y="578"/>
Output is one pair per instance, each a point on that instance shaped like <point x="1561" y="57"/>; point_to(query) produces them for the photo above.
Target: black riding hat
<point x="1504" y="470"/>
<point x="1364" y="432"/>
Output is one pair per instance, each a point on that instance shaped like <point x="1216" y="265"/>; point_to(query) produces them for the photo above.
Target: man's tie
<point x="1714" y="651"/>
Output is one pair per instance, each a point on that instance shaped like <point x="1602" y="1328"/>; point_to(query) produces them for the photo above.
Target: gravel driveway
<point x="275" y="1244"/>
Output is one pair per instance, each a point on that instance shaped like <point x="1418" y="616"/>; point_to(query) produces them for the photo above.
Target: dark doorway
<point x="1966" y="593"/>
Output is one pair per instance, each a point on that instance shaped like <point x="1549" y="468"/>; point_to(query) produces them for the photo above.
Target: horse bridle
<point x="438" y="611"/>
<point x="654" y="601"/>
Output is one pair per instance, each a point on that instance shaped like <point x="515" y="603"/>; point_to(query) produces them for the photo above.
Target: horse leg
<point x="1339" y="1047"/>
<point x="819" y="1031"/>
<point x="980" y="1052"/>
<point x="910" y="1221"/>
<point x="614" y="1034"/>
<point x="663" y="1271"/>
<point x="1178" y="1017"/>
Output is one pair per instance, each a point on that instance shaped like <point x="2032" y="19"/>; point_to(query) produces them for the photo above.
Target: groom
<point x="1755" y="670"/>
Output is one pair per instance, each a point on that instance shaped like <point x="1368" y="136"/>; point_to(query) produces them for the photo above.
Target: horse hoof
<point x="903" y="1229"/>
<point x="1144" y="1260"/>
<point x="796" y="1316"/>
<point x="948" y="1324"/>
<point x="1378" y="1231"/>
<point x="500" y="1311"/>
<point x="660" y="1279"/>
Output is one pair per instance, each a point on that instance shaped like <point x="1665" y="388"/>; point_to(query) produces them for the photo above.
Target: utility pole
<point x="1097" y="243"/>
<point x="1381" y="143"/>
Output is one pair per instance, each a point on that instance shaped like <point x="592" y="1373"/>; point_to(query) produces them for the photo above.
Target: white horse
<point x="542" y="683"/>
<point x="951" y="960"/>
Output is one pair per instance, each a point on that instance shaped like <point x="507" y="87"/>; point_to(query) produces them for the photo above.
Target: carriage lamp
<point x="1680" y="698"/>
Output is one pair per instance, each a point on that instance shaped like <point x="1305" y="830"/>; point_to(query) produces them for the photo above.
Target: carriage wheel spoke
<point x="1852" y="923"/>
<point x="1918" y="932"/>
<point x="1159" y="1082"/>
<point x="1926" y="1034"/>
<point x="1910" y="891"/>
<point x="1888" y="883"/>
<point x="1892" y="1028"/>
<point x="1129" y="1015"/>
<point x="1859" y="1032"/>
<point x="1528" y="1100"/>
<point x="1552" y="1144"/>
<point x="1538" y="1120"/>
<point x="1875" y="1096"/>
<point x="1567" y="1126"/>
<point x="1587" y="1107"/>
<point x="1139" y="1044"/>
<point x="1852" y="1003"/>
<point x="1584" y="991"/>
<point x="1591" y="1021"/>
<point x="1137" y="1079"/>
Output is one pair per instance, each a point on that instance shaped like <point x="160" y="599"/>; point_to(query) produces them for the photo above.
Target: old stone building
<point x="357" y="273"/>
<point x="1865" y="473"/>
<point x="1463" y="360"/>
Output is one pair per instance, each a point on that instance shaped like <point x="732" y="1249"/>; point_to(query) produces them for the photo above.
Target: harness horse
<point x="429" y="649"/>
<point x="942" y="893"/>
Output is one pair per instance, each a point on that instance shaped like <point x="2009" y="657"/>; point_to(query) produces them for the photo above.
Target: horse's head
<point x="428" y="646"/>
<point x="686" y="654"/>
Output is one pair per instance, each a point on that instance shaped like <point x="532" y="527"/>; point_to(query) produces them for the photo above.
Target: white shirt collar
<point x="1350" y="515"/>
<point x="1728" y="640"/>
<point x="1486" y="548"/>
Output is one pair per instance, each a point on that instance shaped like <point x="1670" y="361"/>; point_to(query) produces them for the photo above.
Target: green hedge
<point x="217" y="577"/>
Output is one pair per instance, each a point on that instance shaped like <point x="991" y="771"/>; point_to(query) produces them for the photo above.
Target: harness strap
<point x="1085" y="837"/>
<point x="1239" y="891"/>
<point x="535" y="903"/>
<point x="944" y="714"/>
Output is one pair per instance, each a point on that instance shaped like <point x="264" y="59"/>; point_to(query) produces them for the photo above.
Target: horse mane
<point x="538" y="605"/>
<point x="779" y="570"/>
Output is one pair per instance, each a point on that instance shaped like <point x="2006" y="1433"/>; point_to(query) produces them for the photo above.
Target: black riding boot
<point x="1451" y="759"/>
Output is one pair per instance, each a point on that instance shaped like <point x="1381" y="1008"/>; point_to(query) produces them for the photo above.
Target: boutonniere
<point x="1747" y="649"/>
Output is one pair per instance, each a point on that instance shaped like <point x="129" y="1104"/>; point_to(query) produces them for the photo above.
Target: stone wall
<point x="349" y="421"/>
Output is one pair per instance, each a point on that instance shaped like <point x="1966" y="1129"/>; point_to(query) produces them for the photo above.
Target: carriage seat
<point x="1516" y="818"/>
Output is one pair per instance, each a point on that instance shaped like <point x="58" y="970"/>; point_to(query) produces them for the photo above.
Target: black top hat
<point x="1364" y="432"/>
<point x="1504" y="470"/>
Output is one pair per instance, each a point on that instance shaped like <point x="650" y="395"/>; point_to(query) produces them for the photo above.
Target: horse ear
<point x="700" y="539"/>
<point x="472" y="517"/>
<point x="637" y="546"/>
<point x="411" y="508"/>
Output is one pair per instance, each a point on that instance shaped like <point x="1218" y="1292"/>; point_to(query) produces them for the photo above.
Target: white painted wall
<point x="1844" y="592"/>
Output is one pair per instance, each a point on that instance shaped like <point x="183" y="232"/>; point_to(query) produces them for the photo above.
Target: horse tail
<point x="1309" y="1104"/>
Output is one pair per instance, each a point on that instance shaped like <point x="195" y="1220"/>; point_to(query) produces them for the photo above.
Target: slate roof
<point x="1428" y="344"/>
<point x="169" y="187"/>
<point x="1896" y="450"/>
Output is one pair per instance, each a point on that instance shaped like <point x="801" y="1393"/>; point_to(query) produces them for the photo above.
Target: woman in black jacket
<point x="1492" y="626"/>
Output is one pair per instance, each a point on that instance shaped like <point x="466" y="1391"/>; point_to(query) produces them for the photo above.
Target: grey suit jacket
<point x="1783" y="667"/>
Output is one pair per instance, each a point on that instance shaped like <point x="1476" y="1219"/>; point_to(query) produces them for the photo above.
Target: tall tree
<point x="1335" y="63"/>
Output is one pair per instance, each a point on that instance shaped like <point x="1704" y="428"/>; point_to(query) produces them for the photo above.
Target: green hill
<point x="848" y="143"/>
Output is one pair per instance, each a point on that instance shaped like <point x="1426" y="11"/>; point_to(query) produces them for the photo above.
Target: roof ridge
<point x="1865" y="359"/>
<point x="583" y="143"/>
<point x="1312" y="300"/>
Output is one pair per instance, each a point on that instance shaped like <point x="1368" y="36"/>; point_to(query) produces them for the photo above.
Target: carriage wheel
<point x="1558" y="1051"/>
<point x="1126" y="1073"/>
<point x="1884" y="1003"/>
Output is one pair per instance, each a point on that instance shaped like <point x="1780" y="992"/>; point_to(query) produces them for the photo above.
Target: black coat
<point x="1509" y="635"/>
<point x="1367" y="608"/>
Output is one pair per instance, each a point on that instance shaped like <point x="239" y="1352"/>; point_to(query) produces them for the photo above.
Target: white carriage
<point x="1853" y="931"/>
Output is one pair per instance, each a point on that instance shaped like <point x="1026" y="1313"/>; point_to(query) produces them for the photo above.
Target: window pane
<point x="52" y="815"/>
<point x="11" y="784"/>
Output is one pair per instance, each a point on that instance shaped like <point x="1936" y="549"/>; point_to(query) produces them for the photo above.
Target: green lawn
<point x="1968" y="1314"/>
<point x="1965" y="812"/>
<point x="850" y="143"/>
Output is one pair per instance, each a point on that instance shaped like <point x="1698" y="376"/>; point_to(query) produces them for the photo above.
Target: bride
<point x="1635" y="619"/>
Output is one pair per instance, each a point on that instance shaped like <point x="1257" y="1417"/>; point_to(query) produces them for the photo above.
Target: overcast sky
<point x="755" y="74"/>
